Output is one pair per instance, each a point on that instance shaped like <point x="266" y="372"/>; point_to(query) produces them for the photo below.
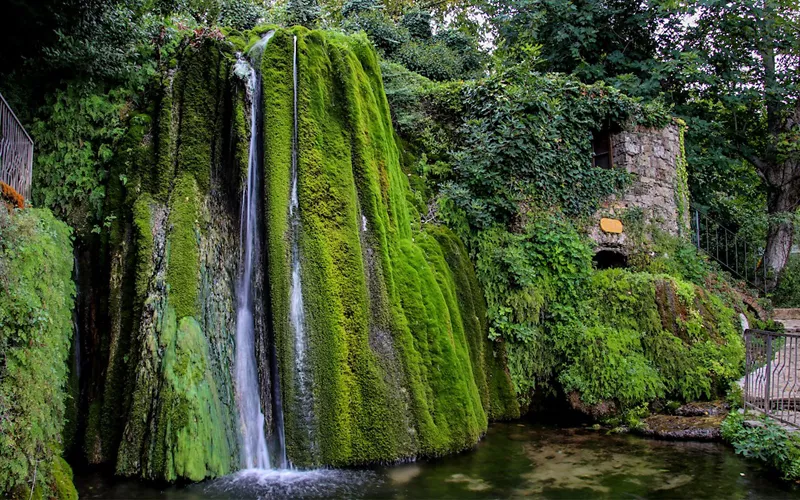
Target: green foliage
<point x="75" y="143"/>
<point x="448" y="54"/>
<point x="36" y="300"/>
<point x="628" y="337"/>
<point x="524" y="272"/>
<point x="524" y="141"/>
<point x="767" y="442"/>
<point x="616" y="41"/>
<point x="303" y="13"/>
<point x="787" y="294"/>
<point x="657" y="252"/>
<point x="240" y="14"/>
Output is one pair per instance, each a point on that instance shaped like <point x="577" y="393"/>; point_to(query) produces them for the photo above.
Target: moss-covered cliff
<point x="36" y="301"/>
<point x="397" y="357"/>
<point x="400" y="362"/>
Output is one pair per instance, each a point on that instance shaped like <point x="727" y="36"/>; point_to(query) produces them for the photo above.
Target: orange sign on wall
<point x="611" y="225"/>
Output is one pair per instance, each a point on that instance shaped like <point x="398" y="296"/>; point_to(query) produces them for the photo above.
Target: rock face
<point x="658" y="190"/>
<point x="398" y="363"/>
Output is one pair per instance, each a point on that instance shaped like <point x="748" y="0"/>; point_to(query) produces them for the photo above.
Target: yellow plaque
<point x="611" y="225"/>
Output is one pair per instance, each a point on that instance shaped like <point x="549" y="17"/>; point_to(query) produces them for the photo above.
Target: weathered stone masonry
<point x="653" y="156"/>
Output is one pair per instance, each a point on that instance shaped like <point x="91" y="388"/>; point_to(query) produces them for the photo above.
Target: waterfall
<point x="254" y="441"/>
<point x="75" y="321"/>
<point x="297" y="316"/>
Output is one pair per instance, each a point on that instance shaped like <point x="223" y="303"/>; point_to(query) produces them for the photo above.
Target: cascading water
<point x="296" y="308"/>
<point x="254" y="441"/>
<point x="76" y="323"/>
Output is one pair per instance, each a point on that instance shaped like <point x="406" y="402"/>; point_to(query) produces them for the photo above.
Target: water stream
<point x="76" y="322"/>
<point x="255" y="454"/>
<point x="514" y="460"/>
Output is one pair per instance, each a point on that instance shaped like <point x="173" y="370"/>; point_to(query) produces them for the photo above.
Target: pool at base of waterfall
<point x="514" y="459"/>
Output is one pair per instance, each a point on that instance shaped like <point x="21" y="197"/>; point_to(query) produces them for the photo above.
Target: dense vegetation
<point x="36" y="294"/>
<point x="473" y="181"/>
<point x="764" y="440"/>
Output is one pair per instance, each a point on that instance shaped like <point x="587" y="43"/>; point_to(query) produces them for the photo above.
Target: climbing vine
<point x="682" y="183"/>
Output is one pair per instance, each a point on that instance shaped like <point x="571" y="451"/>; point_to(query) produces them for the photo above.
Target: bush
<point x="787" y="294"/>
<point x="240" y="14"/>
<point x="769" y="443"/>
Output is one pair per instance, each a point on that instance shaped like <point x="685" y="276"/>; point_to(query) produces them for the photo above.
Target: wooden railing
<point x="16" y="152"/>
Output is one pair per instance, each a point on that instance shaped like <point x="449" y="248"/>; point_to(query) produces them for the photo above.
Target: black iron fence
<point x="733" y="253"/>
<point x="16" y="152"/>
<point x="772" y="369"/>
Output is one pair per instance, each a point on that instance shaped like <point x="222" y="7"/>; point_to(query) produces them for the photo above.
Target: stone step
<point x="790" y="325"/>
<point x="786" y="313"/>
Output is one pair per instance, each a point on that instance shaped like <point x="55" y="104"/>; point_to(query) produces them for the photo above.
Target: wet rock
<point x="703" y="409"/>
<point x="753" y="423"/>
<point x="598" y="411"/>
<point x="697" y="428"/>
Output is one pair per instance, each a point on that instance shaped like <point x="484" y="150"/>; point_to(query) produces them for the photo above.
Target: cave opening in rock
<point x="609" y="259"/>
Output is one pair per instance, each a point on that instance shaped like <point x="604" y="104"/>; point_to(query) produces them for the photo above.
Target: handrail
<point x="772" y="375"/>
<point x="732" y="252"/>
<point x="16" y="151"/>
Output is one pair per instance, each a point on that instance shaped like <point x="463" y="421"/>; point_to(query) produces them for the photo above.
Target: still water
<point x="513" y="460"/>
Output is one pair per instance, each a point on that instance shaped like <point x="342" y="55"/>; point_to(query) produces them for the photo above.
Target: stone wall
<point x="652" y="155"/>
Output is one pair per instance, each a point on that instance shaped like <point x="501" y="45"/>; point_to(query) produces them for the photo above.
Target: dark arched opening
<point x="609" y="259"/>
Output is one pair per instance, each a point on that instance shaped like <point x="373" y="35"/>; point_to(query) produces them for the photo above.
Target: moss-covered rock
<point x="398" y="359"/>
<point x="648" y="337"/>
<point x="36" y="301"/>
<point x="179" y="418"/>
<point x="379" y="295"/>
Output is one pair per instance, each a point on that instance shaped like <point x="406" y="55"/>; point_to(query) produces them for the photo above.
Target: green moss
<point x="654" y="336"/>
<point x="36" y="328"/>
<point x="191" y="428"/>
<point x="164" y="166"/>
<point x="143" y="241"/>
<point x="487" y="357"/>
<point x="62" y="480"/>
<point x="183" y="268"/>
<point x="364" y="275"/>
<point x="201" y="84"/>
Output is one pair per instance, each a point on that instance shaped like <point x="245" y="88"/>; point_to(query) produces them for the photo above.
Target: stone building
<point x="658" y="193"/>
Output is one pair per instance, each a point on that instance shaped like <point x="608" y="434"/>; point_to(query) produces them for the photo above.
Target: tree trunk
<point x="780" y="236"/>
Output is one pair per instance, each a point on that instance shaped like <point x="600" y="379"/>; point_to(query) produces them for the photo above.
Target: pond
<point x="513" y="460"/>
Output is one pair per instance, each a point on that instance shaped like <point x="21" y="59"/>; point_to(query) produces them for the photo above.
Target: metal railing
<point x="16" y="152"/>
<point x="733" y="253"/>
<point x="772" y="370"/>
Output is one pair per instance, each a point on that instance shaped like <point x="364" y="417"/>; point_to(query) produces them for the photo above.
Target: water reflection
<point x="514" y="460"/>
